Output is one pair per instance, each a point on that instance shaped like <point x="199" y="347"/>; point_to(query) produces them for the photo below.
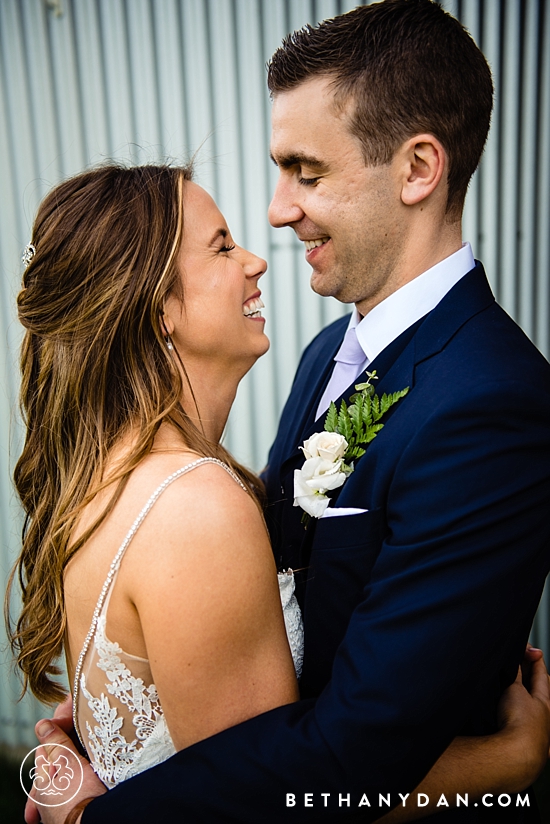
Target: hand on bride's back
<point x="524" y="714"/>
<point x="62" y="732"/>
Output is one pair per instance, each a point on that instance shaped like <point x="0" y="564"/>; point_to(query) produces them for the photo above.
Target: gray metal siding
<point x="144" y="80"/>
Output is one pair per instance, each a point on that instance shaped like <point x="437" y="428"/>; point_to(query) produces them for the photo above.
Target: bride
<point x="145" y="557"/>
<point x="146" y="554"/>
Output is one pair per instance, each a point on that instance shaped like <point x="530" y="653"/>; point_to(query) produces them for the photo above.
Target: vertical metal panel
<point x="253" y="192"/>
<point x="488" y="230"/>
<point x="143" y="77"/>
<point x="542" y="295"/>
<point x="527" y="182"/>
<point x="198" y="82"/>
<point x="116" y="75"/>
<point x="470" y="17"/>
<point x="540" y="195"/>
<point x="67" y="95"/>
<point x="509" y="174"/>
<point x="16" y="92"/>
<point x="92" y="98"/>
<point x="170" y="75"/>
<point x="142" y="80"/>
<point x="41" y="100"/>
<point x="282" y="325"/>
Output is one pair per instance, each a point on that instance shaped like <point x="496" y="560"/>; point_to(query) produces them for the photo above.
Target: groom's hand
<point x="63" y="717"/>
<point x="51" y="735"/>
<point x="524" y="713"/>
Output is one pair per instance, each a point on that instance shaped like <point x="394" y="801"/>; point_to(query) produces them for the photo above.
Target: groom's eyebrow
<point x="299" y="159"/>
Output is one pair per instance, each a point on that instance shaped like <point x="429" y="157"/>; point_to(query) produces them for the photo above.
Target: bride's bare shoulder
<point x="198" y="512"/>
<point x="203" y="495"/>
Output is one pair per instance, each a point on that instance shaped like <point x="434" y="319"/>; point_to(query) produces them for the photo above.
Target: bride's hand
<point x="54" y="738"/>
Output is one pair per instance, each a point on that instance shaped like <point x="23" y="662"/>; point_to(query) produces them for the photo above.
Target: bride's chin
<point x="266" y="343"/>
<point x="260" y="347"/>
<point x="259" y="352"/>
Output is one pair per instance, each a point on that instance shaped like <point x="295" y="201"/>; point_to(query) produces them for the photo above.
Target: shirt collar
<point x="388" y="319"/>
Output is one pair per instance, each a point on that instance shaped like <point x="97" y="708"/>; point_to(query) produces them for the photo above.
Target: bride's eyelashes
<point x="227" y="248"/>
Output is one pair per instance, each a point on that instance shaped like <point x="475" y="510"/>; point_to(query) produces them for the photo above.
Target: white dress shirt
<point x="392" y="316"/>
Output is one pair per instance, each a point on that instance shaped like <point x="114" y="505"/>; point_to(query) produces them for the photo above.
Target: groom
<point x="418" y="598"/>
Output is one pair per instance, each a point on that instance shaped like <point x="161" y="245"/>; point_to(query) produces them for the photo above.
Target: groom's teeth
<point x="252" y="308"/>
<point x="312" y="244"/>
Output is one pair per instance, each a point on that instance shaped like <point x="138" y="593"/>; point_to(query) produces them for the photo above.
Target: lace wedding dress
<point x="117" y="712"/>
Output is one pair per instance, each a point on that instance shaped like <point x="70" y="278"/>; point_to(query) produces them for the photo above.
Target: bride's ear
<point x="166" y="324"/>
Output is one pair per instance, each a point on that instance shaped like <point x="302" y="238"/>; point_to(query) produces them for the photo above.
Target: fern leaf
<point x="354" y="452"/>
<point x="385" y="403"/>
<point x="344" y="422"/>
<point x="355" y="413"/>
<point x="367" y="411"/>
<point x="373" y="431"/>
<point x="331" y="420"/>
<point x="401" y="394"/>
<point x="388" y="401"/>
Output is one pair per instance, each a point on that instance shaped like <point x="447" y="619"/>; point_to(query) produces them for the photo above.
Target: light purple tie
<point x="350" y="362"/>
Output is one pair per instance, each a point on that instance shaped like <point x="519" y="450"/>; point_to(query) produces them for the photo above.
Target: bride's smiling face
<point x="219" y="319"/>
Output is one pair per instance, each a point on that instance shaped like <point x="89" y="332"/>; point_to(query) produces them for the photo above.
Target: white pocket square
<point x="334" y="512"/>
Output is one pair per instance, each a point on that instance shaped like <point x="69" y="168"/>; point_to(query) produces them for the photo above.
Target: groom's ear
<point x="423" y="162"/>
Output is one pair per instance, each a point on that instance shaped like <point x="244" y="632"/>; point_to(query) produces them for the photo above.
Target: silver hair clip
<point x="28" y="254"/>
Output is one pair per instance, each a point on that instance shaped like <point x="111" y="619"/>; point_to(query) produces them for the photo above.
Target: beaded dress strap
<point x="117" y="561"/>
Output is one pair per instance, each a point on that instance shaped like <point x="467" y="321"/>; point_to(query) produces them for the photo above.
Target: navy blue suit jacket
<point x="416" y="612"/>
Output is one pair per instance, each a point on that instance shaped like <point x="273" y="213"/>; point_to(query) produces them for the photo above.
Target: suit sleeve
<point x="449" y="604"/>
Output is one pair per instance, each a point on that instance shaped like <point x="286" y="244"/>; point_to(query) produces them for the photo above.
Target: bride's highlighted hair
<point x="94" y="365"/>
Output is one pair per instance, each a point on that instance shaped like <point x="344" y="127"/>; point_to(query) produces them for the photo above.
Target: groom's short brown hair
<point x="409" y="68"/>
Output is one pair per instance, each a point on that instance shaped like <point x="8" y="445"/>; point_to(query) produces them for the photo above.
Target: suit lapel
<point x="470" y="296"/>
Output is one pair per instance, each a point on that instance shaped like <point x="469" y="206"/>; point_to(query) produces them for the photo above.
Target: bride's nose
<point x="254" y="266"/>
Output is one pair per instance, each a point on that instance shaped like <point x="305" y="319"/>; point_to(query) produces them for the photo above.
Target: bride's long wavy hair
<point x="94" y="366"/>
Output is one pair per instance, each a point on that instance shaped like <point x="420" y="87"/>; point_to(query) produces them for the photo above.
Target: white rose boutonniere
<point x="330" y="454"/>
<point x="327" y="445"/>
<point x="324" y="469"/>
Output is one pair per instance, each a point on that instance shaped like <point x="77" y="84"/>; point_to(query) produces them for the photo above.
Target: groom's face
<point x="347" y="214"/>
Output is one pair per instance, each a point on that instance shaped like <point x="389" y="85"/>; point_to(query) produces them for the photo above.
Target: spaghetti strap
<point x="118" y="559"/>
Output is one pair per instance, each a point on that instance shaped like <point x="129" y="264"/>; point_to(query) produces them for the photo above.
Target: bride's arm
<point x="505" y="762"/>
<point x="204" y="583"/>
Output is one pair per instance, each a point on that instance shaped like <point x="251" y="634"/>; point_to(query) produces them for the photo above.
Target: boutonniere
<point x="330" y="455"/>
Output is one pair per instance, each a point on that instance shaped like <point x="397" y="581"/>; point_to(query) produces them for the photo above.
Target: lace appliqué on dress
<point x="114" y="759"/>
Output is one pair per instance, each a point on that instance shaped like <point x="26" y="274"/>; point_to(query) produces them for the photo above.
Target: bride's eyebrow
<point x="223" y="233"/>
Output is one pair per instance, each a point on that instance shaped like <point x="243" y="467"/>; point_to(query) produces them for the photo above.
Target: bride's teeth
<point x="253" y="307"/>
<point x="312" y="244"/>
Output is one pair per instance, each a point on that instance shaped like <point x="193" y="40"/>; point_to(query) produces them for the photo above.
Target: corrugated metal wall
<point x="145" y="80"/>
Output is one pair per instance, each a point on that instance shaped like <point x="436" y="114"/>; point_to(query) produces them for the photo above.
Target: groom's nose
<point x="284" y="209"/>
